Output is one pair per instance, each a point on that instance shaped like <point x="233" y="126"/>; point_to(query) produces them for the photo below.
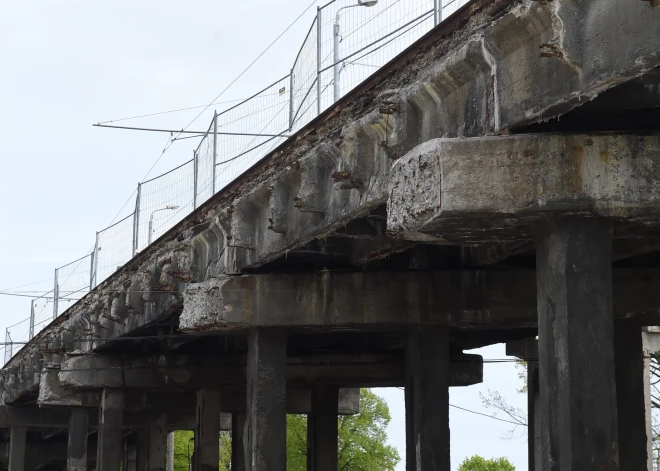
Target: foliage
<point x="515" y="415"/>
<point x="361" y="442"/>
<point x="362" y="438"/>
<point x="477" y="463"/>
<point x="183" y="448"/>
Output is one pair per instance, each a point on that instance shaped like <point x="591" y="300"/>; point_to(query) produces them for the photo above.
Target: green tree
<point x="362" y="440"/>
<point x="477" y="463"/>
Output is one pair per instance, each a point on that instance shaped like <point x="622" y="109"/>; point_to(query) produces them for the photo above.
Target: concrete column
<point x="651" y="345"/>
<point x="266" y="400"/>
<point x="427" y="400"/>
<point x="132" y="453"/>
<point x="142" y="449"/>
<point x="631" y="404"/>
<point x="158" y="443"/>
<point x="237" y="448"/>
<point x="576" y="354"/>
<point x="17" y="437"/>
<point x="322" y="433"/>
<point x="207" y="431"/>
<point x="77" y="449"/>
<point x="533" y="417"/>
<point x="110" y="449"/>
<point x="169" y="465"/>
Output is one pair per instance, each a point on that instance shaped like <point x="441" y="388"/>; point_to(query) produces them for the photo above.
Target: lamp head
<point x="367" y="3"/>
<point x="172" y="206"/>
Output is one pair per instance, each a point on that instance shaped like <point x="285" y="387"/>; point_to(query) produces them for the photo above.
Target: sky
<point x="69" y="64"/>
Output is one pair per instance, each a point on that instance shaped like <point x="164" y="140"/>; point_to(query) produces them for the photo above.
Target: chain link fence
<point x="347" y="41"/>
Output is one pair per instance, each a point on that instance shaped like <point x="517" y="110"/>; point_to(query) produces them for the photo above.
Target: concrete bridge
<point x="498" y="180"/>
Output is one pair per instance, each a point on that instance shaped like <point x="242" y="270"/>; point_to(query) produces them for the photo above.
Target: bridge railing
<point x="345" y="44"/>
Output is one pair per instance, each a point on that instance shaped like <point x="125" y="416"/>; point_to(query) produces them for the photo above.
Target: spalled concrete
<point x="476" y="189"/>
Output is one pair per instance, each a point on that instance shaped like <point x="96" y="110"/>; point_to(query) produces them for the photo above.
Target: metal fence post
<point x="437" y="14"/>
<point x="94" y="264"/>
<point x="31" y="321"/>
<point x="56" y="295"/>
<point x="291" y="104"/>
<point x="195" y="170"/>
<point x="136" y="219"/>
<point x="8" y="347"/>
<point x="215" y="145"/>
<point x="318" y="61"/>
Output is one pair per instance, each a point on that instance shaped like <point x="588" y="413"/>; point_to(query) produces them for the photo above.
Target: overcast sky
<point x="66" y="65"/>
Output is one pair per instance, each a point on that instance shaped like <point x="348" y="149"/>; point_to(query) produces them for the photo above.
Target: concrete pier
<point x="427" y="400"/>
<point x="110" y="451"/>
<point x="322" y="430"/>
<point x="207" y="431"/>
<point x="265" y="446"/>
<point x="576" y="345"/>
<point x="77" y="447"/>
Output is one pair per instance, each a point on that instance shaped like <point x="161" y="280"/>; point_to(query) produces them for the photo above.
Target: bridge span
<point x="497" y="181"/>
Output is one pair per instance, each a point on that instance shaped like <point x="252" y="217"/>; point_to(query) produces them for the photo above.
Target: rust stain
<point x="181" y="275"/>
<point x="578" y="151"/>
<point x="604" y="156"/>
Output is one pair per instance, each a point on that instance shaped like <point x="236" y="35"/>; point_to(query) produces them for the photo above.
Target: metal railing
<point x="344" y="45"/>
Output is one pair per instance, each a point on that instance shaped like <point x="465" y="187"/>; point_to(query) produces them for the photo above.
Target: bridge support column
<point x="17" y="438"/>
<point x="266" y="400"/>
<point x="322" y="433"/>
<point x="631" y="404"/>
<point x="207" y="431"/>
<point x="169" y="465"/>
<point x="427" y="400"/>
<point x="142" y="449"/>
<point x="237" y="440"/>
<point x="533" y="416"/>
<point x="77" y="449"/>
<point x="576" y="344"/>
<point x="158" y="443"/>
<point x="111" y="422"/>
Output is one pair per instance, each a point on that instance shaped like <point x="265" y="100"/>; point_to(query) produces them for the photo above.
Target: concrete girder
<point x="493" y="188"/>
<point x="53" y="395"/>
<point x="487" y="298"/>
<point x="181" y="372"/>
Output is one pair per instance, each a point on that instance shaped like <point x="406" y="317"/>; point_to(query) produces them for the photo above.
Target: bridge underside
<point x="498" y="181"/>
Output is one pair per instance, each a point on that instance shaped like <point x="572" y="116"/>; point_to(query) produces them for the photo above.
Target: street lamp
<point x="336" y="68"/>
<point x="151" y="219"/>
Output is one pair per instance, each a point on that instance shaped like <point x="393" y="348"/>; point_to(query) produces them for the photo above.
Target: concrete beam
<point x="183" y="372"/>
<point x="493" y="188"/>
<point x="487" y="298"/>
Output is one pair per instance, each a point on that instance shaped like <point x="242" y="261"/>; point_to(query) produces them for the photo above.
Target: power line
<point x="481" y="414"/>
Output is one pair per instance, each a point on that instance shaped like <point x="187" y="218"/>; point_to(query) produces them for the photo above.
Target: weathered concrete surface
<point x="387" y="300"/>
<point x="576" y="345"/>
<point x="265" y="429"/>
<point x="492" y="188"/>
<point x="631" y="404"/>
<point x="185" y="372"/>
<point x="207" y="430"/>
<point x="110" y="432"/>
<point x="77" y="444"/>
<point x="322" y="431"/>
<point x="17" y="448"/>
<point x="500" y="68"/>
<point x="427" y="400"/>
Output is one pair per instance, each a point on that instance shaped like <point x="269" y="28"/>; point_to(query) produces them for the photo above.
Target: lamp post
<point x="151" y="219"/>
<point x="336" y="67"/>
